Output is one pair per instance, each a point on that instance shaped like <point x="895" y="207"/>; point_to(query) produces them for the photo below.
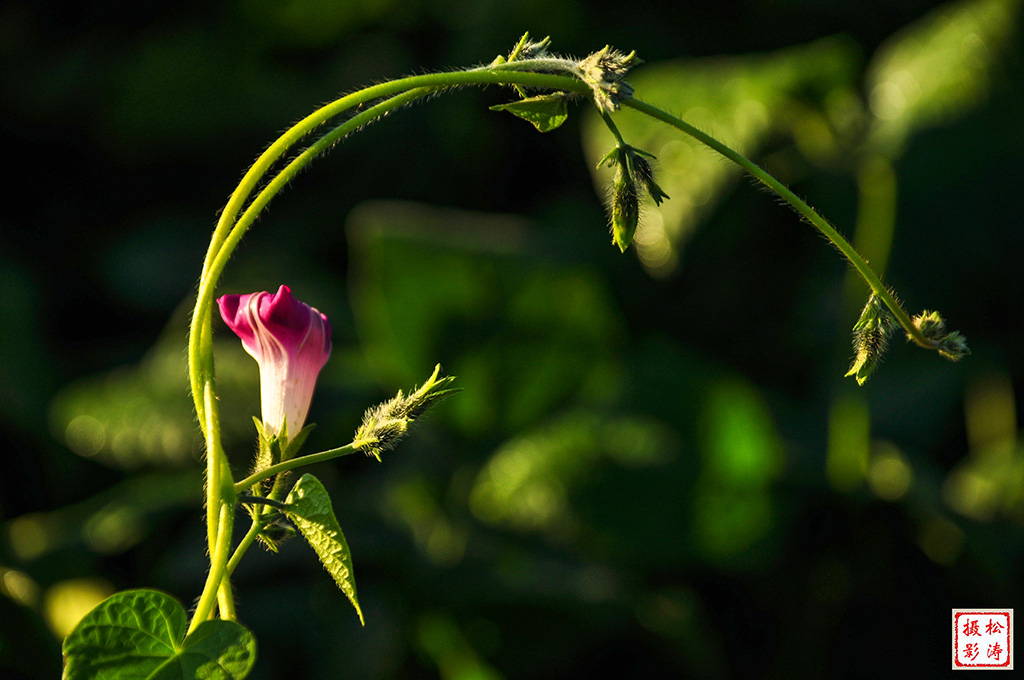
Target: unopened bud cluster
<point x="531" y="49"/>
<point x="385" y="424"/>
<point x="875" y="326"/>
<point x="605" y="71"/>
<point x="951" y="344"/>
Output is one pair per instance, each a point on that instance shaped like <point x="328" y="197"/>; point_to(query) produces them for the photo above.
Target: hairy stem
<point x="221" y="245"/>
<point x="218" y="565"/>
<point x="229" y="231"/>
<point x="798" y="204"/>
<point x="243" y="546"/>
<point x="254" y="193"/>
<point x="217" y="496"/>
<point x="312" y="458"/>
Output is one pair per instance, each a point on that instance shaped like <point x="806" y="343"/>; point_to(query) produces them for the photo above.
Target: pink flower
<point x="291" y="342"/>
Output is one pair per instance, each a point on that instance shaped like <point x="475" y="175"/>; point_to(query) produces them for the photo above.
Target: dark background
<point x="648" y="474"/>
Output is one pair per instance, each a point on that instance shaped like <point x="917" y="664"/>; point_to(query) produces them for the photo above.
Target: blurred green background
<point x="656" y="468"/>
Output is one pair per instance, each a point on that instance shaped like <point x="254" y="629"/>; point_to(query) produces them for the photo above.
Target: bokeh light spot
<point x="66" y="602"/>
<point x="85" y="435"/>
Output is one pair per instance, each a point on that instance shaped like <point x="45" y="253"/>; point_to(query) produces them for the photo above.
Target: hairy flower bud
<point x="604" y="71"/>
<point x="385" y="424"/>
<point x="291" y="342"/>
<point x="645" y="175"/>
<point x="952" y="344"/>
<point x="871" y="336"/>
<point x="633" y="175"/>
<point x="625" y="207"/>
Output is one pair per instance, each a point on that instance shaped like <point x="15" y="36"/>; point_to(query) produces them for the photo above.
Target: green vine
<point x="531" y="70"/>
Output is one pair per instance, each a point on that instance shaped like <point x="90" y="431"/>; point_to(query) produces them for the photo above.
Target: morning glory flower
<point x="291" y="342"/>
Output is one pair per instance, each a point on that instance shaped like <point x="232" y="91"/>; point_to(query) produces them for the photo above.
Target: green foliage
<point x="136" y="416"/>
<point x="545" y="112"/>
<point x="110" y="522"/>
<point x="744" y="101"/>
<point x="141" y="634"/>
<point x="528" y="482"/>
<point x="309" y="508"/>
<point x="487" y="295"/>
<point x="938" y="67"/>
<point x="733" y="503"/>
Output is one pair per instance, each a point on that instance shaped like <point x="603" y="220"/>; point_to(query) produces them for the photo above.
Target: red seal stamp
<point x="983" y="639"/>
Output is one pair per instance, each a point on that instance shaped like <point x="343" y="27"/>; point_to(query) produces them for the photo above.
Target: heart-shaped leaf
<point x="141" y="634"/>
<point x="309" y="508"/>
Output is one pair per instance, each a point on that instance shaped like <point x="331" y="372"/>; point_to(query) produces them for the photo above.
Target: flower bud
<point x="871" y="336"/>
<point x="633" y="175"/>
<point x="385" y="424"/>
<point x="291" y="342"/>
<point x="625" y="207"/>
<point x="605" y="71"/>
<point x="951" y="344"/>
<point x="645" y="175"/>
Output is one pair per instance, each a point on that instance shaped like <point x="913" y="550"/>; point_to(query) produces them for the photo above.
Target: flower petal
<point x="291" y="341"/>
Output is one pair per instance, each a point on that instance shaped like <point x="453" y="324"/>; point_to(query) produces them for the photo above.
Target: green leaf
<point x="938" y="67"/>
<point x="141" y="634"/>
<point x="311" y="512"/>
<point x="215" y="650"/>
<point x="546" y="112"/>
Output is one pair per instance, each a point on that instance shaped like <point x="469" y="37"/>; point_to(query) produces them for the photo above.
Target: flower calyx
<point x="268" y="493"/>
<point x="530" y="49"/>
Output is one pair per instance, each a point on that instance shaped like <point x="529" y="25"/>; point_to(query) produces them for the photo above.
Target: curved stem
<point x="214" y="467"/>
<point x="217" y="498"/>
<point x="241" y="226"/>
<point x="226" y="598"/>
<point x="312" y="458"/>
<point x="248" y="200"/>
<point x="613" y="128"/>
<point x="858" y="262"/>
<point x="246" y="499"/>
<point x="218" y="564"/>
<point x="220" y="492"/>
<point x="243" y="546"/>
<point x="220" y="249"/>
